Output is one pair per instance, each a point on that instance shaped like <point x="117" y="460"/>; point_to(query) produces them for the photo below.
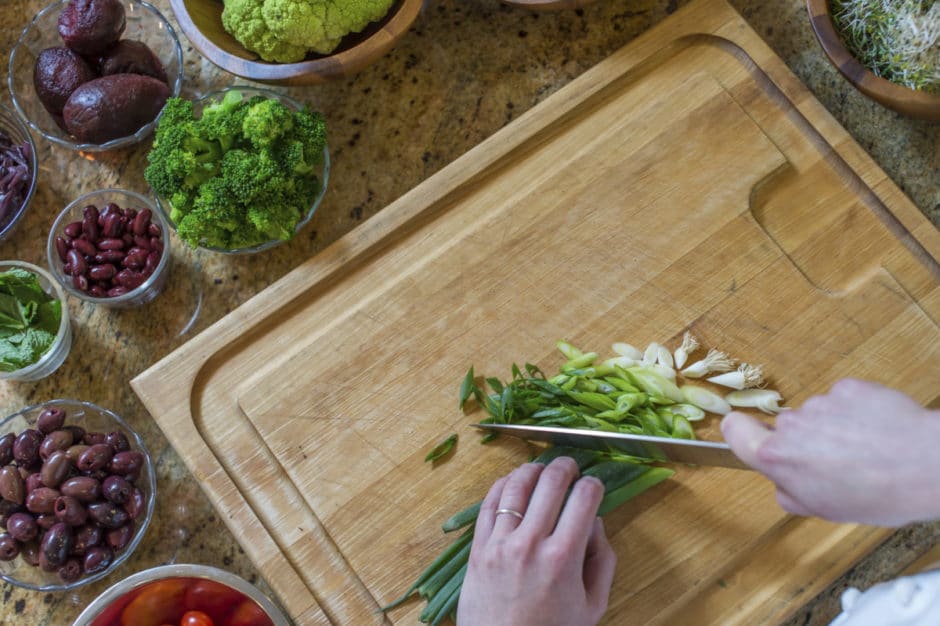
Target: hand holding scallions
<point x="553" y="567"/>
<point x="861" y="453"/>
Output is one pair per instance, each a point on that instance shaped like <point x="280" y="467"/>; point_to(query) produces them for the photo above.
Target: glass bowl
<point x="323" y="174"/>
<point x="11" y="125"/>
<point x="146" y="291"/>
<point x="91" y="418"/>
<point x="164" y="592"/>
<point x="50" y="360"/>
<point x="144" y="23"/>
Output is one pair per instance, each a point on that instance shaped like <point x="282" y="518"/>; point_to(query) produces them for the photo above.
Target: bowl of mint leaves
<point x="35" y="335"/>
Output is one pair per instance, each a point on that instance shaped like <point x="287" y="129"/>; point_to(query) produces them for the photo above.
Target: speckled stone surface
<point x="467" y="68"/>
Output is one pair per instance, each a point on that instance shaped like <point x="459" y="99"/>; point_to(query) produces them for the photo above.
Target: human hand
<point x="860" y="453"/>
<point x="552" y="567"/>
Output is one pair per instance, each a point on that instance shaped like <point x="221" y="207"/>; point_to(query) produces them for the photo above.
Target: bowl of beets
<point x="77" y="491"/>
<point x="17" y="171"/>
<point x="93" y="75"/>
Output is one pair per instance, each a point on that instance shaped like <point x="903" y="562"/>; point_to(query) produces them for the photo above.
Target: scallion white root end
<point x="746" y="376"/>
<point x="714" y="361"/>
<point x="767" y="400"/>
<point x="689" y="345"/>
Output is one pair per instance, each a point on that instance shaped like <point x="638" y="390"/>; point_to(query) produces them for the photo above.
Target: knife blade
<point x="657" y="448"/>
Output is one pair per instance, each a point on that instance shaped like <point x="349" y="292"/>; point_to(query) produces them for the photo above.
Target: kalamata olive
<point x="78" y="433"/>
<point x="8" y="508"/>
<point x="44" y="563"/>
<point x="113" y="106"/>
<point x="116" y="489"/>
<point x="84" y="488"/>
<point x="57" y="543"/>
<point x="30" y="553"/>
<point x="107" y="514"/>
<point x="127" y="463"/>
<point x="135" y="504"/>
<point x="97" y="559"/>
<point x="99" y="474"/>
<point x="45" y="521"/>
<point x="50" y="420"/>
<point x="26" y="447"/>
<point x="87" y="536"/>
<point x="56" y="469"/>
<point x="56" y="440"/>
<point x="9" y="547"/>
<point x="70" y="571"/>
<point x="70" y="511"/>
<point x="6" y="448"/>
<point x="96" y="457"/>
<point x="89" y="27"/>
<point x="58" y="72"/>
<point x="22" y="526"/>
<point x="84" y="246"/>
<point x="95" y="437"/>
<point x="33" y="481"/>
<point x="42" y="500"/>
<point x="118" y="441"/>
<point x="118" y="538"/>
<point x="75" y="451"/>
<point x="12" y="487"/>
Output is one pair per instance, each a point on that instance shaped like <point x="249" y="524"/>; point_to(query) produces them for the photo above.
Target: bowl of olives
<point x="93" y="75"/>
<point x="77" y="491"/>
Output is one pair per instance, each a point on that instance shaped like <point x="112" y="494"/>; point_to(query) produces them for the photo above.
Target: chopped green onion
<point x="705" y="399"/>
<point x="764" y="399"/>
<point x="441" y="449"/>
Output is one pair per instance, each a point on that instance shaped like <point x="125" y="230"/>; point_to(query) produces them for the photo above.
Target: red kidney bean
<point x="42" y="500"/>
<point x="86" y="248"/>
<point x="142" y="241"/>
<point x="96" y="457"/>
<point x="73" y="230"/>
<point x="156" y="244"/>
<point x="97" y="291"/>
<point x="80" y="283"/>
<point x="97" y="559"/>
<point x="105" y="271"/>
<point x="70" y="511"/>
<point x="9" y="548"/>
<point x="84" y="488"/>
<point x="61" y="247"/>
<point x="76" y="263"/>
<point x="114" y="243"/>
<point x="118" y="538"/>
<point x="112" y="226"/>
<point x="90" y="213"/>
<point x="128" y="278"/>
<point x="12" y="488"/>
<point x="57" y="440"/>
<point x="30" y="553"/>
<point x="142" y="221"/>
<point x="154" y="230"/>
<point x="86" y="537"/>
<point x="26" y="447"/>
<point x="32" y="482"/>
<point x="50" y="420"/>
<point x="136" y="259"/>
<point x="107" y="514"/>
<point x="128" y="239"/>
<point x="6" y="448"/>
<point x="153" y="259"/>
<point x="114" y="292"/>
<point x="136" y="504"/>
<point x="90" y="230"/>
<point x="70" y="571"/>
<point x="57" y="543"/>
<point x="23" y="527"/>
<point x="109" y="256"/>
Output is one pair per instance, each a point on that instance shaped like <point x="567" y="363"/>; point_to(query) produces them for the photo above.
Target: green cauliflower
<point x="243" y="20"/>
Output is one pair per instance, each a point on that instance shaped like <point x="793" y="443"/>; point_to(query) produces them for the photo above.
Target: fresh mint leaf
<point x="11" y="318"/>
<point x="48" y="317"/>
<point x="29" y="319"/>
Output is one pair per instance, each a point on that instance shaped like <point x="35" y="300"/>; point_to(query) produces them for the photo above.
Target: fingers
<point x="745" y="435"/>
<point x="487" y="515"/>
<point x="599" y="565"/>
<point x="515" y="496"/>
<point x="549" y="496"/>
<point x="790" y="504"/>
<point x="577" y="518"/>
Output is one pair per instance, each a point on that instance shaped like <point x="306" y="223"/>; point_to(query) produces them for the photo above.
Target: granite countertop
<point x="466" y="68"/>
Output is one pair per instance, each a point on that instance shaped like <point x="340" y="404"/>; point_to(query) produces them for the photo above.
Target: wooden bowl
<point x="201" y="21"/>
<point x="549" y="5"/>
<point x="902" y="99"/>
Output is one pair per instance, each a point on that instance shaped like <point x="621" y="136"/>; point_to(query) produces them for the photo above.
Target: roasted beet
<point x="131" y="57"/>
<point x="89" y="27"/>
<point x="57" y="73"/>
<point x="114" y="106"/>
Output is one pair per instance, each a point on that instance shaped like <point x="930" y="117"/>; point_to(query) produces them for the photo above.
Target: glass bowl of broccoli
<point x="240" y="170"/>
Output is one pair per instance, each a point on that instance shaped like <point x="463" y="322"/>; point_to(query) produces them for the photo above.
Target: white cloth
<point x="908" y="601"/>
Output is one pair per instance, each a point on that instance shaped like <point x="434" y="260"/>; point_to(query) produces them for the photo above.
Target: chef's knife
<point x="656" y="448"/>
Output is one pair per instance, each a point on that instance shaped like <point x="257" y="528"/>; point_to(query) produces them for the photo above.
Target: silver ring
<point x="509" y="512"/>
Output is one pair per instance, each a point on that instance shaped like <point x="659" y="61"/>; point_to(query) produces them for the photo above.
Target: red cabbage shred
<point x="14" y="175"/>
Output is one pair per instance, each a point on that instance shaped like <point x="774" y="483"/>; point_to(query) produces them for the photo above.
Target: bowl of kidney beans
<point x="109" y="247"/>
<point x="182" y="595"/>
<point x="77" y="491"/>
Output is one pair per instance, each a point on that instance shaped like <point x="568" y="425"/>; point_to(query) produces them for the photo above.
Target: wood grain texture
<point x="913" y="103"/>
<point x="201" y="22"/>
<point x="549" y="5"/>
<point x="687" y="181"/>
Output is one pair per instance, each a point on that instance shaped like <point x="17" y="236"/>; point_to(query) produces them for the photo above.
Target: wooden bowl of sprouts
<point x="285" y="42"/>
<point x="888" y="49"/>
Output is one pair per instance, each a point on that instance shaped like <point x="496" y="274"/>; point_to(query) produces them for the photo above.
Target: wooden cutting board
<point x="688" y="181"/>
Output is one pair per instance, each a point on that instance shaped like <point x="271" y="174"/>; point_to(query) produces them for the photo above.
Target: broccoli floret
<point x="304" y="152"/>
<point x="181" y="157"/>
<point x="266" y="122"/>
<point x="243" y="20"/>
<point x="320" y="25"/>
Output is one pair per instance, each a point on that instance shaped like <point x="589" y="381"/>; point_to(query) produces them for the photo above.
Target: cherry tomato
<point x="214" y="599"/>
<point x="158" y="603"/>
<point x="196" y="618"/>
<point x="249" y="614"/>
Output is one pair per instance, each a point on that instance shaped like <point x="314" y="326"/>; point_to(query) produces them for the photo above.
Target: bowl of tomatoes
<point x="182" y="595"/>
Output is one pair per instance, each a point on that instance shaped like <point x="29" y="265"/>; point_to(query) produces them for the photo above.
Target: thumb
<point x="599" y="564"/>
<point x="745" y="435"/>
